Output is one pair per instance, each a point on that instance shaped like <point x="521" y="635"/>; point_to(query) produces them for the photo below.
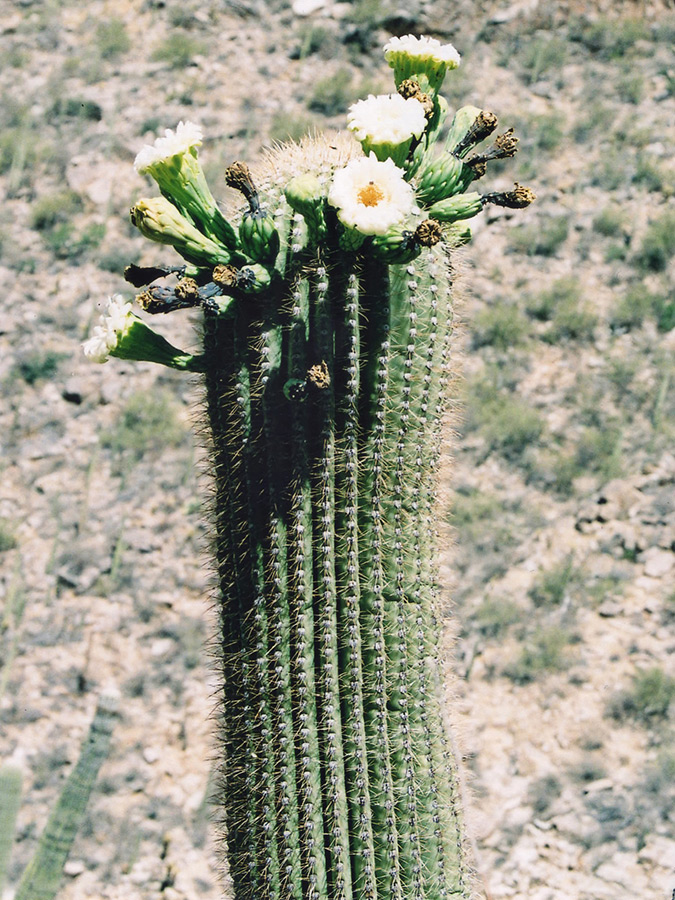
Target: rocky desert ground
<point x="558" y="514"/>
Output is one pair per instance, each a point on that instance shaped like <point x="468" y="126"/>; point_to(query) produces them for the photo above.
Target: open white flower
<point x="106" y="335"/>
<point x="186" y="136"/>
<point x="123" y="334"/>
<point x="174" y="164"/>
<point x="386" y="125"/>
<point x="371" y="196"/>
<point x="386" y="119"/>
<point x="410" y="55"/>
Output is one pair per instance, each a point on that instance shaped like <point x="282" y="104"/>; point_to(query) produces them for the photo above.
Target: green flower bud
<point x="158" y="219"/>
<point x="306" y="195"/>
<point x="397" y="246"/>
<point x="453" y="209"/>
<point x="350" y="239"/>
<point x="458" y="235"/>
<point x="259" y="237"/>
<point x="253" y="279"/>
<point x="441" y="177"/>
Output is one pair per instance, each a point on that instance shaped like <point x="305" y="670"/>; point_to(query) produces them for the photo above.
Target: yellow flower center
<point x="371" y="194"/>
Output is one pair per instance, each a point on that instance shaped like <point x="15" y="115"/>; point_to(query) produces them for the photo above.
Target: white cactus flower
<point x="371" y="195"/>
<point x="386" y="119"/>
<point x="174" y="143"/>
<point x="410" y="55"/>
<point x="423" y="48"/>
<point x="112" y="325"/>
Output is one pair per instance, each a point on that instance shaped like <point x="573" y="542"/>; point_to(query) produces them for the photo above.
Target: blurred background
<point x="558" y="516"/>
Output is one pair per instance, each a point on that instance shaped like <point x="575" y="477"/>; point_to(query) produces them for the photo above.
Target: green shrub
<point x="112" y="39"/>
<point x="502" y="326"/>
<point x="610" y="222"/>
<point x="588" y="769"/>
<point x="148" y="423"/>
<point x="311" y="39"/>
<point x="482" y="519"/>
<point x="331" y="95"/>
<point x="658" y="244"/>
<point x="544" y="651"/>
<point x="664" y="307"/>
<point x="544" y="132"/>
<point x="542" y="56"/>
<point x="648" y="699"/>
<point x="551" y="586"/>
<point x="598" y="450"/>
<point x="562" y="470"/>
<point x="562" y="305"/>
<point x="633" y="308"/>
<point x="367" y="13"/>
<point x="609" y="38"/>
<point x="7" y="537"/>
<point x="652" y="175"/>
<point x="571" y="321"/>
<point x="543" y="238"/>
<point x="542" y="792"/>
<point x="178" y="49"/>
<point x="77" y="108"/>
<point x="613" y="170"/>
<point x="285" y="126"/>
<point x="596" y="117"/>
<point x="495" y="615"/>
<point x="660" y="775"/>
<point x="563" y="291"/>
<point x="630" y="86"/>
<point x="53" y="209"/>
<point x="40" y="365"/>
<point x="507" y="422"/>
<point x="18" y="149"/>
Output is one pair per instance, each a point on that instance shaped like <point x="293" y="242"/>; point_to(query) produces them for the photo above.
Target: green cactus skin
<point x="42" y="877"/>
<point x="10" y="800"/>
<point x="324" y="398"/>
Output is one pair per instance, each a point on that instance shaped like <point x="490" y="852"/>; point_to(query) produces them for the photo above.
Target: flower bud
<point x="259" y="237"/>
<point x="397" y="247"/>
<point x="464" y="206"/>
<point x="158" y="219"/>
<point x="442" y="177"/>
<point x="306" y="196"/>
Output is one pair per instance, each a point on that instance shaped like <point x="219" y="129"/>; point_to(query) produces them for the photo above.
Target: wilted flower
<point x="160" y="220"/>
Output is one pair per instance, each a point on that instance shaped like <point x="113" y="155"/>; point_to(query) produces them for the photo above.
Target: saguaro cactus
<point x="327" y="315"/>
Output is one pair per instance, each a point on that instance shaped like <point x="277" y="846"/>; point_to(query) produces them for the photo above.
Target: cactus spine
<point x="326" y="352"/>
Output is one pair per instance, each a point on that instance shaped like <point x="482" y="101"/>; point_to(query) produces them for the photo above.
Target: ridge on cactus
<point x="326" y="298"/>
